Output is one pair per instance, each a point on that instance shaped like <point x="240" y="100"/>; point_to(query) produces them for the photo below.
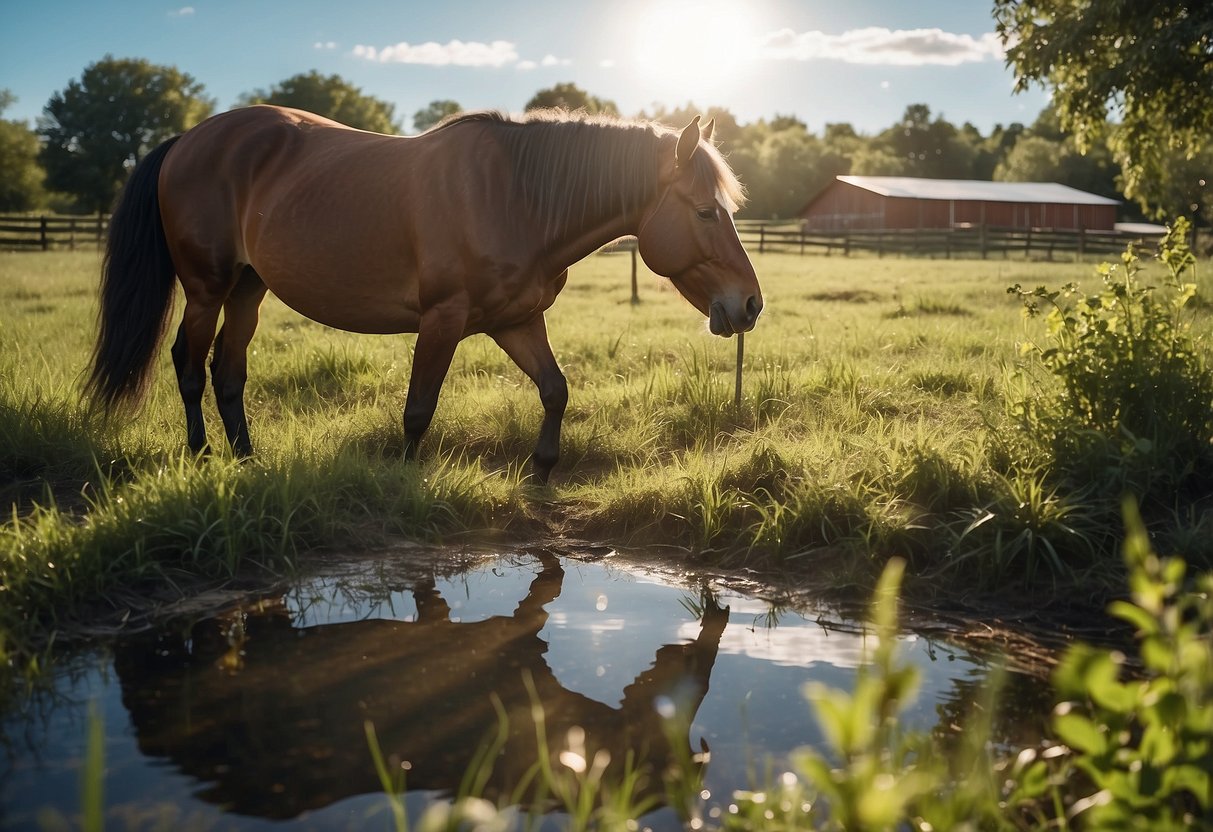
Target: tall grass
<point x="873" y="423"/>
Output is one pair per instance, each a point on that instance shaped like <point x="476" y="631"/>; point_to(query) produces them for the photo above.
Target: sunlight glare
<point x="692" y="47"/>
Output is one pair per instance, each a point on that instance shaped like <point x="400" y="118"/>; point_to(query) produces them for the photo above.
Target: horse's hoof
<point x="540" y="476"/>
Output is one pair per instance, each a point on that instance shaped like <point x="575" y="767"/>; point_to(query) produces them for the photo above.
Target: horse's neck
<point x="572" y="246"/>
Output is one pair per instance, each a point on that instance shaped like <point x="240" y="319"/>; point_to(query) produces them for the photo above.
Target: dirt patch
<point x="845" y="296"/>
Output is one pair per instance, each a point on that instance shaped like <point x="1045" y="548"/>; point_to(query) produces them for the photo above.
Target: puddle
<point x="256" y="717"/>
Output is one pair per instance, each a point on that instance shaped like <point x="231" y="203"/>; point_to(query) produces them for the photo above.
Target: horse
<point x="468" y="228"/>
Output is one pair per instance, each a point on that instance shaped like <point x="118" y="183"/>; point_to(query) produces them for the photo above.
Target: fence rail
<point x="973" y="241"/>
<point x="47" y="233"/>
<point x="23" y="232"/>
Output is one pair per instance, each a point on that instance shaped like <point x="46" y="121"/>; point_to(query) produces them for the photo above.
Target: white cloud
<point x="184" y="11"/>
<point x="607" y="63"/>
<point x="525" y="66"/>
<point x="880" y="46"/>
<point x="552" y="60"/>
<point x="453" y="53"/>
<point x="325" y="45"/>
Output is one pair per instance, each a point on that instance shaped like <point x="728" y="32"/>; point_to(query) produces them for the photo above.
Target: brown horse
<point x="469" y="228"/>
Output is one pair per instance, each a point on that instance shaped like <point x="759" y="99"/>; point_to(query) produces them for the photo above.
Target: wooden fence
<point x="46" y="233"/>
<point x="973" y="241"/>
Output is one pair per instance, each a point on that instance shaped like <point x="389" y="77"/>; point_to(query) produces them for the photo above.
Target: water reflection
<point x="254" y="721"/>
<point x="268" y="716"/>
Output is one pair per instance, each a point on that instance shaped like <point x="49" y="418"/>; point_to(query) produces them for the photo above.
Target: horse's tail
<point x="136" y="289"/>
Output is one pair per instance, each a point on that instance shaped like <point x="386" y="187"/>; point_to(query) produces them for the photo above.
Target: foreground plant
<point x="1137" y="747"/>
<point x="1131" y="749"/>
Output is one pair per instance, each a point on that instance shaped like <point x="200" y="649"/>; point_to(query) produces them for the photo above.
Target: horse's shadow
<point x="272" y="723"/>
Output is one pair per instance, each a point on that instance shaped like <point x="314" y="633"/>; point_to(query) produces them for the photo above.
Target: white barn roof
<point x="909" y="187"/>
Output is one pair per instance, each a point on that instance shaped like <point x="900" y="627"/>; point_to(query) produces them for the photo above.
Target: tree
<point x="1147" y="65"/>
<point x="725" y="133"/>
<point x="434" y="112"/>
<point x="929" y="148"/>
<point x="1033" y="159"/>
<point x="1185" y="187"/>
<point x="20" y="174"/>
<point x="1047" y="153"/>
<point x="102" y="124"/>
<point x="330" y="96"/>
<point x="876" y="161"/>
<point x="569" y="96"/>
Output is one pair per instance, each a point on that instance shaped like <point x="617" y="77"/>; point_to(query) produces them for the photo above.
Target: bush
<point x="1132" y="406"/>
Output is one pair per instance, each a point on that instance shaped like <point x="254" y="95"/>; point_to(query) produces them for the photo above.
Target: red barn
<point x="878" y="202"/>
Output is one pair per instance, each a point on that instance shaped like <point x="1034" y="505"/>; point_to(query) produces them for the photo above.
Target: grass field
<point x="874" y="423"/>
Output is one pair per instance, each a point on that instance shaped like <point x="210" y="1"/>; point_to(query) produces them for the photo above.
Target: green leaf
<point x="1080" y="733"/>
<point x="1142" y="621"/>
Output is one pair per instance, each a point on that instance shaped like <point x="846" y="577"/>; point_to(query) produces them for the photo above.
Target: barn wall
<point x="842" y="206"/>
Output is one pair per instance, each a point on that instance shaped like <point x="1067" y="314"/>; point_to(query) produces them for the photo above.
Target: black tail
<point x="136" y="289"/>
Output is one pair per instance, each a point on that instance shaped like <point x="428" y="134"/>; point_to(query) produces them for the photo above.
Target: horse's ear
<point x="688" y="143"/>
<point x="708" y="128"/>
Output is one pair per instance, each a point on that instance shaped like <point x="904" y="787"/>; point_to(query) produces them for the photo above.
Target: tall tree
<point x="102" y="124"/>
<point x="20" y="174"/>
<point x="434" y="112"/>
<point x="929" y="148"/>
<point x="330" y="96"/>
<point x="1148" y="66"/>
<point x="726" y="131"/>
<point x="1033" y="159"/>
<point x="569" y="96"/>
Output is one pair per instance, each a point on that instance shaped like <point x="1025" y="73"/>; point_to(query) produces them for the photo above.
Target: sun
<point x="692" y="48"/>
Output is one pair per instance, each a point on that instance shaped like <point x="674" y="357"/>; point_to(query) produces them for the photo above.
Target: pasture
<point x="874" y="423"/>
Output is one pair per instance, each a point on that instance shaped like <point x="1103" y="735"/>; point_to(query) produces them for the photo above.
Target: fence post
<point x="635" y="288"/>
<point x="762" y="238"/>
<point x="99" y="216"/>
<point x="71" y="234"/>
<point x="846" y="244"/>
<point x="802" y="242"/>
<point x="1027" y="245"/>
<point x="1082" y="243"/>
<point x="983" y="240"/>
<point x="42" y="236"/>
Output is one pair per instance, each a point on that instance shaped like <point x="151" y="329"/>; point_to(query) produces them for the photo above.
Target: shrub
<point x="1132" y="407"/>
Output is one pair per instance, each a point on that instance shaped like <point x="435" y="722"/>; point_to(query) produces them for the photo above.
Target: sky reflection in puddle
<point x="256" y="716"/>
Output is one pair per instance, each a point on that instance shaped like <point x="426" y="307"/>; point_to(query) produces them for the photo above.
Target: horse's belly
<point x="354" y="305"/>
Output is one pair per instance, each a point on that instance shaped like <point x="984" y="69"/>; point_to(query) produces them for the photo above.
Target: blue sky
<point x="822" y="60"/>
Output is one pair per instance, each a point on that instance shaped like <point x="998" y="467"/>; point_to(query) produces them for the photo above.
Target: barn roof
<point x="910" y="187"/>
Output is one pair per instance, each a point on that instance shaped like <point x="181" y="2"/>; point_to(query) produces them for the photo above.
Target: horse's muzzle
<point x="721" y="322"/>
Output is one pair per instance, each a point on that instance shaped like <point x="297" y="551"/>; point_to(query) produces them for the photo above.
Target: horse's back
<point x="356" y="230"/>
<point x="300" y="198"/>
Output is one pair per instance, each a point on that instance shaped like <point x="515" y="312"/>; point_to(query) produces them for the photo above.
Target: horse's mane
<point x="573" y="169"/>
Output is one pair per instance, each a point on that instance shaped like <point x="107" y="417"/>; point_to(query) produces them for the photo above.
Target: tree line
<point x="94" y="131"/>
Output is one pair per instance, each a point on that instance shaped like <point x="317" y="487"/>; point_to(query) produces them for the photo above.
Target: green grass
<point x="872" y="425"/>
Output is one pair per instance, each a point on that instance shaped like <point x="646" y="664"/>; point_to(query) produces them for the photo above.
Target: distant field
<point x="870" y="426"/>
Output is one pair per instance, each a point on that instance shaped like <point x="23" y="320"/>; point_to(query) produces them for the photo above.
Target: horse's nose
<point x="753" y="306"/>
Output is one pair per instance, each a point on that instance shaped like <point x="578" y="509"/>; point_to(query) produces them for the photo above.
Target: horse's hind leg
<point x="194" y="338"/>
<point x="229" y="367"/>
<point x="528" y="346"/>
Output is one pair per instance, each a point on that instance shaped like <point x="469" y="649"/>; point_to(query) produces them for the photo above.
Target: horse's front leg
<point x="528" y="346"/>
<point x="441" y="329"/>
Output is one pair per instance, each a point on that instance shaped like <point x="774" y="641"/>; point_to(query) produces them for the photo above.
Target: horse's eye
<point x="706" y="213"/>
